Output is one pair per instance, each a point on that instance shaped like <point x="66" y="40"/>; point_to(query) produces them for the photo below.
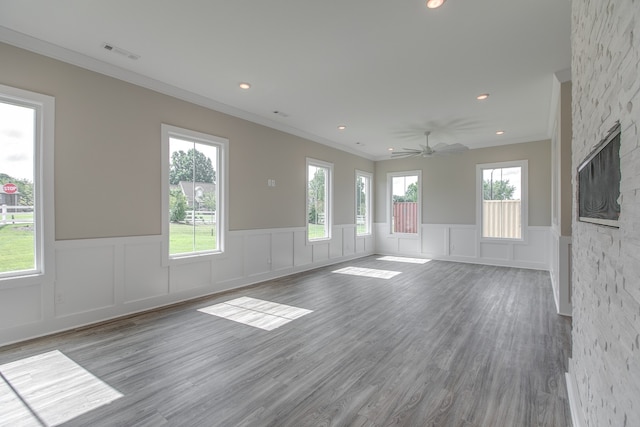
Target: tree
<point x="178" y="206"/>
<point x="25" y="188"/>
<point x="209" y="201"/>
<point x="410" y="194"/>
<point x="316" y="195"/>
<point x="190" y="166"/>
<point x="362" y="198"/>
<point x="500" y="190"/>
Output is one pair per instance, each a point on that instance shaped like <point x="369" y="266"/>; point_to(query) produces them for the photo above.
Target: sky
<point x="505" y="174"/>
<point x="16" y="140"/>
<point x="176" y="144"/>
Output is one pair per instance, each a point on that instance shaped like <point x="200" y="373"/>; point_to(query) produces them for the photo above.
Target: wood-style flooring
<point x="440" y="344"/>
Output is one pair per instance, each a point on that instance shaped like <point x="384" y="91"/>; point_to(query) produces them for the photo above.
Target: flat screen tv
<point x="599" y="182"/>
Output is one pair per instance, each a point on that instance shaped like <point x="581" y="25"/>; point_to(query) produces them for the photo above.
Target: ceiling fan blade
<point x="406" y="152"/>
<point x="404" y="155"/>
<point x="450" y="148"/>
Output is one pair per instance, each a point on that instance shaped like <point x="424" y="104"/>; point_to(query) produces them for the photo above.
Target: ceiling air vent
<point x="120" y="51"/>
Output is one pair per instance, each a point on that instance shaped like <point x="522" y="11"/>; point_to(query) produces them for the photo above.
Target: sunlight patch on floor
<point x="254" y="312"/>
<point x="49" y="389"/>
<point x="368" y="272"/>
<point x="404" y="259"/>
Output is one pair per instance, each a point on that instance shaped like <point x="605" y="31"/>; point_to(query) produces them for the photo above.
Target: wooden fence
<point x="405" y="217"/>
<point x="501" y="218"/>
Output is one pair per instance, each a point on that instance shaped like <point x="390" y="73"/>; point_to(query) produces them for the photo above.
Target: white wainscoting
<point x="560" y="268"/>
<point x="456" y="242"/>
<point x="101" y="279"/>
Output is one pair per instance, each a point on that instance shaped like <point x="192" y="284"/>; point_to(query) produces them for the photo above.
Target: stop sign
<point x="9" y="188"/>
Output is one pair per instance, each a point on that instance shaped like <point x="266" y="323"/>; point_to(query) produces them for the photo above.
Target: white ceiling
<point x="388" y="70"/>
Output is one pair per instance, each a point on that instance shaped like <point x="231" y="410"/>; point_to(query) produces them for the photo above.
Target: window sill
<point x="192" y="258"/>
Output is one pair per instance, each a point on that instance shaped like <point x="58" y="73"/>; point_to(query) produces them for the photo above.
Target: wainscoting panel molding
<point x="460" y="242"/>
<point x="102" y="279"/>
<point x="560" y="265"/>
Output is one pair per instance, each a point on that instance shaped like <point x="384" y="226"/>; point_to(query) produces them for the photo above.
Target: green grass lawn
<point x="316" y="231"/>
<point x="185" y="238"/>
<point x="16" y="247"/>
<point x="17" y="241"/>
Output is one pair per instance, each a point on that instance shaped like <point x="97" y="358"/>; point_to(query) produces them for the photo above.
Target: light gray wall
<point x="449" y="182"/>
<point x="606" y="269"/>
<point x="107" y="155"/>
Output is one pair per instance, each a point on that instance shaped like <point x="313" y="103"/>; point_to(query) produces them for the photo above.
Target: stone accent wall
<point x="605" y="363"/>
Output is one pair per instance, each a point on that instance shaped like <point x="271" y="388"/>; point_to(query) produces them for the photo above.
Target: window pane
<point x="363" y="203"/>
<point x="317" y="223"/>
<point x="404" y="213"/>
<point x="17" y="190"/>
<point x="193" y="197"/>
<point x="501" y="203"/>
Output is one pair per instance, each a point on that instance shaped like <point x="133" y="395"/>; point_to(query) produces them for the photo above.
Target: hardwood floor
<point x="441" y="344"/>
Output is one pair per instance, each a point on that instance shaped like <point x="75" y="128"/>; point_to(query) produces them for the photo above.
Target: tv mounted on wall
<point x="599" y="182"/>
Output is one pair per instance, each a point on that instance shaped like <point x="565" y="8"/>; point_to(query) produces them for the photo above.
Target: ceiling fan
<point x="428" y="151"/>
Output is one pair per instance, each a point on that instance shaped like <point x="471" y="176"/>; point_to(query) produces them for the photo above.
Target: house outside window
<point x="502" y="200"/>
<point x="193" y="176"/>
<point x="26" y="183"/>
<point x="319" y="194"/>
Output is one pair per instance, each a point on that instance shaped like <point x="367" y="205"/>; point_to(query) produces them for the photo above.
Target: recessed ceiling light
<point x="342" y="127"/>
<point x="482" y="96"/>
<point x="432" y="4"/>
<point x="245" y="85"/>
<point x="499" y="132"/>
<point x="390" y="148"/>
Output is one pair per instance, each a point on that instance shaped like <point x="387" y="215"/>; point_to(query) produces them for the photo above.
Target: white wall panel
<point x="495" y="251"/>
<point x="320" y="252"/>
<point x="189" y="276"/>
<point x="348" y="241"/>
<point x="257" y="254"/>
<point x="434" y="240"/>
<point x="20" y="306"/>
<point x="303" y="253"/>
<point x="282" y="250"/>
<point x="230" y="265"/>
<point x="538" y="237"/>
<point x="145" y="277"/>
<point x="462" y="241"/>
<point x="409" y="246"/>
<point x="84" y="279"/>
<point x="337" y="240"/>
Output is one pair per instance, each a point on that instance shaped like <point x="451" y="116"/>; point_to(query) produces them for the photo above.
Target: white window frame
<point x="169" y="131"/>
<point x="368" y="202"/>
<point x="390" y="176"/>
<point x="328" y="208"/>
<point x="44" y="210"/>
<point x="524" y="199"/>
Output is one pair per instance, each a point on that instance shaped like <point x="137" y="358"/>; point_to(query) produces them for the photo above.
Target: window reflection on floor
<point x="367" y="272"/>
<point x="49" y="389"/>
<point x="254" y="312"/>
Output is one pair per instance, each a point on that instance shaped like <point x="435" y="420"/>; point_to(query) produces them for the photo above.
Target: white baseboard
<point x="574" y="401"/>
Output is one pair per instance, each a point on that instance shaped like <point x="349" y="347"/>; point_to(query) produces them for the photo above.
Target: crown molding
<point x="68" y="56"/>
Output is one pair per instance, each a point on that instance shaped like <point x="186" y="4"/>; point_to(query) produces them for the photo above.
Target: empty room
<point x="417" y="213"/>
